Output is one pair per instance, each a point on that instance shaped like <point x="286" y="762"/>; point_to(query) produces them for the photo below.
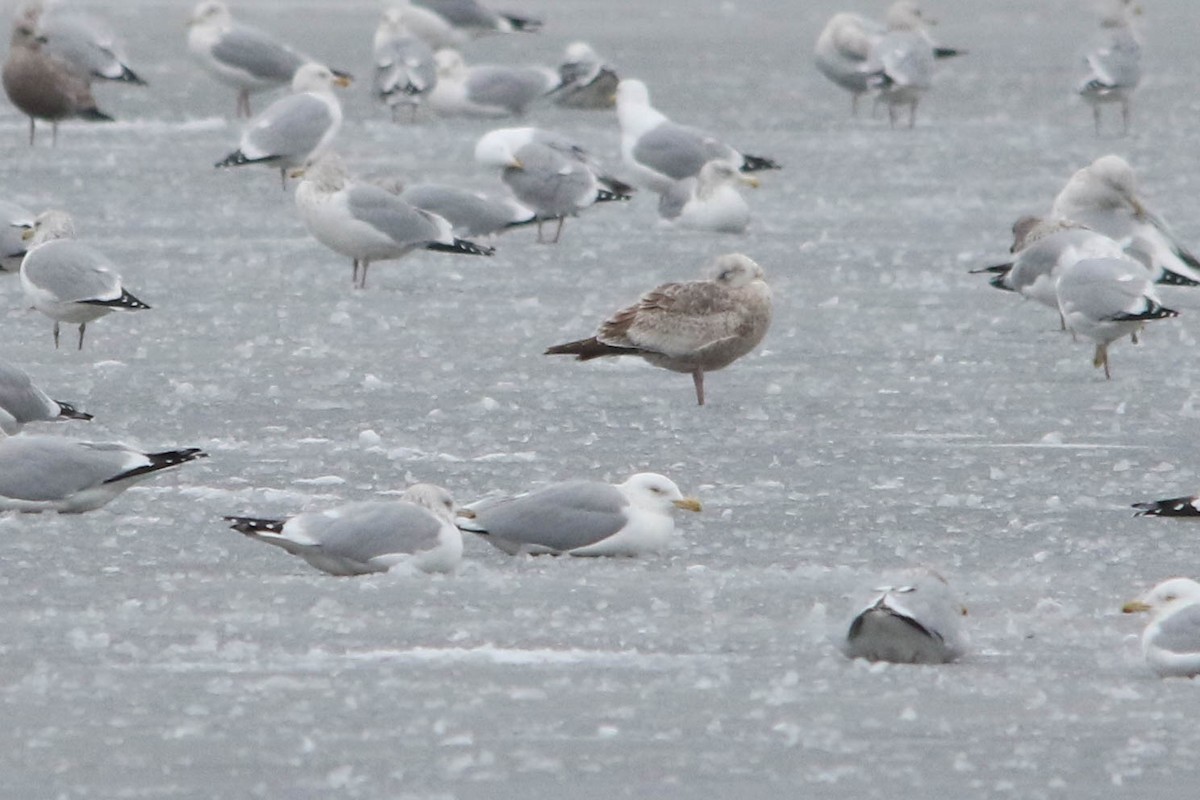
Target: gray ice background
<point x="900" y="412"/>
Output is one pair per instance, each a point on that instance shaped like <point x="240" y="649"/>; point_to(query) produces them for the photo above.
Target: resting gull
<point x="67" y="280"/>
<point x="585" y="81"/>
<point x="486" y="90"/>
<point x="692" y="327"/>
<point x="14" y="221"/>
<point x="405" y="69"/>
<point x="368" y="223"/>
<point x="50" y="473"/>
<point x="22" y="401"/>
<point x="710" y="201"/>
<point x="914" y="622"/>
<point x="453" y="23"/>
<point x="1171" y="642"/>
<point x="660" y="152"/>
<point x="583" y="518"/>
<point x="294" y="130"/>
<point x="1114" y="63"/>
<point x="417" y="531"/>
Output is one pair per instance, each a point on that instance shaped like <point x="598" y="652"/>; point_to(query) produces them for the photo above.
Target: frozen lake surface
<point x="900" y="412"/>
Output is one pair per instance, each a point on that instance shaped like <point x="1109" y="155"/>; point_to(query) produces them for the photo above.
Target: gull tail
<point x="1171" y="278"/>
<point x="1152" y="311"/>
<point x="129" y="76"/>
<point x="947" y="52"/>
<point x="1172" y="507"/>
<point x="160" y="461"/>
<point x="237" y="159"/>
<point x="68" y="411"/>
<point x="126" y="302"/>
<point x="615" y="186"/>
<point x="606" y="196"/>
<point x="94" y="114"/>
<point x="758" y="163"/>
<point x="523" y="24"/>
<point x="587" y="349"/>
<point x="462" y="247"/>
<point x="254" y="525"/>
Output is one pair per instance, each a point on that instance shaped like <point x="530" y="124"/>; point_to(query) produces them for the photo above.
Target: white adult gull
<point x="1104" y="196"/>
<point x="417" y="531"/>
<point x="1104" y="299"/>
<point x="583" y="518"/>
<point x="368" y="223"/>
<point x="900" y="63"/>
<point x="842" y="50"/>
<point x="294" y="130"/>
<point x="710" y="201"/>
<point x="240" y="55"/>
<point x="660" y="152"/>
<point x="585" y="81"/>
<point x="1114" y="63"/>
<point x="486" y="90"/>
<point x="1171" y="642"/>
<point x="693" y="327"/>
<point x="87" y="41"/>
<point x="69" y="281"/>
<point x="547" y="173"/>
<point x="916" y="621"/>
<point x="405" y="69"/>
<point x="50" y="473"/>
<point x="22" y="401"/>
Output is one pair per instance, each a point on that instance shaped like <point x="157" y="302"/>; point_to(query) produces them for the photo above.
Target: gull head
<point x="50" y="225"/>
<point x="1114" y="175"/>
<point x="449" y="63"/>
<point x="498" y="148"/>
<point x="433" y="498"/>
<point x="735" y="270"/>
<point x="327" y="174"/>
<point x="211" y="12"/>
<point x="580" y="53"/>
<point x="1165" y="597"/>
<point x="905" y="15"/>
<point x="656" y="492"/>
<point x="632" y="92"/>
<point x="316" y="78"/>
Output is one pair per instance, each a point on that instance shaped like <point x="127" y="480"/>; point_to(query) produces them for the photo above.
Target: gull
<point x="585" y="81"/>
<point x="405" y="70"/>
<point x="1171" y="642"/>
<point x="417" y="531"/>
<point x="900" y="63"/>
<point x="240" y="55"/>
<point x="1105" y="299"/>
<point x="583" y="518"/>
<point x="842" y="50"/>
<point x="49" y="473"/>
<point x="469" y="213"/>
<point x="660" y="152"/>
<point x="486" y="90"/>
<point x="547" y="173"/>
<point x="368" y="223"/>
<point x="917" y="622"/>
<point x="88" y="42"/>
<point x="14" y="221"/>
<point x="1188" y="506"/>
<point x="1104" y="197"/>
<point x="692" y="327"/>
<point x="1114" y="63"/>
<point x="294" y="130"/>
<point x="69" y="281"/>
<point x="43" y="85"/>
<point x="710" y="201"/>
<point x="453" y="23"/>
<point x="22" y="402"/>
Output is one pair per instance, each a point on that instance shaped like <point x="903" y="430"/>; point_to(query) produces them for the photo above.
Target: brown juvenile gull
<point x="42" y="85"/>
<point x="694" y="327"/>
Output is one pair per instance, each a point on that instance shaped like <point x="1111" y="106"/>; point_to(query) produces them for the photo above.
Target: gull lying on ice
<point x="49" y="473"/>
<point x="240" y="55"/>
<point x="417" y="531"/>
<point x="1171" y="642"/>
<point x="583" y="518"/>
<point x="14" y="222"/>
<point x="69" y="281"/>
<point x="405" y="69"/>
<point x="294" y="130"/>
<point x="660" y="152"/>
<point x="692" y="327"/>
<point x="486" y="90"/>
<point x="710" y="201"/>
<point x="368" y="223"/>
<point x="585" y="81"/>
<point x="918" y="622"/>
<point x="22" y="401"/>
<point x="1114" y="63"/>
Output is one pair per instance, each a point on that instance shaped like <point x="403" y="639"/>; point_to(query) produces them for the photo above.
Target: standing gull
<point x="49" y="473"/>
<point x="405" y="69"/>
<point x="1114" y="63"/>
<point x="486" y="90"/>
<point x="360" y="538"/>
<point x="916" y="622"/>
<point x="692" y="327"/>
<point x="583" y="518"/>
<point x="14" y="221"/>
<point x="1105" y="299"/>
<point x="900" y="64"/>
<point x="368" y="223"/>
<point x="842" y="50"/>
<point x="1171" y="642"/>
<point x="453" y="23"/>
<point x="69" y="281"/>
<point x="294" y="130"/>
<point x="240" y="55"/>
<point x="710" y="201"/>
<point x="43" y="85"/>
<point x="547" y="173"/>
<point x="1104" y="197"/>
<point x="22" y="402"/>
<point x="585" y="81"/>
<point x="660" y="152"/>
<point x="88" y="42"/>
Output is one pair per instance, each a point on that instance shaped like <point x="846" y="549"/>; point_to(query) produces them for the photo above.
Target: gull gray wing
<point x="906" y="57"/>
<point x="387" y="213"/>
<point x="364" y="531"/>
<point x="672" y="201"/>
<point x="1118" y="64"/>
<point x="561" y="517"/>
<point x="549" y="182"/>
<point x="679" y="151"/>
<point x="470" y="214"/>
<point x="1104" y="288"/>
<point x="47" y="468"/>
<point x="21" y="401"/>
<point x="463" y="13"/>
<point x="72" y="271"/>
<point x="512" y="88"/>
<point x="290" y="127"/>
<point x="250" y="50"/>
<point x="1180" y="632"/>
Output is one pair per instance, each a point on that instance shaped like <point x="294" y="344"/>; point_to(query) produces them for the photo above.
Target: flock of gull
<point x="1096" y="258"/>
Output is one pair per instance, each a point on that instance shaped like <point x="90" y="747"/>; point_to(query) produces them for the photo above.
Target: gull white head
<point x="656" y="492"/>
<point x="434" y="498"/>
<point x="316" y="78"/>
<point x="719" y="172"/>
<point x="50" y="225"/>
<point x="449" y="63"/>
<point x="1115" y="174"/>
<point x="905" y="15"/>
<point x="735" y="270"/>
<point x="498" y="148"/>
<point x="580" y="53"/>
<point x="211" y="12"/>
<point x="1165" y="597"/>
<point x="327" y="174"/>
<point x="632" y="93"/>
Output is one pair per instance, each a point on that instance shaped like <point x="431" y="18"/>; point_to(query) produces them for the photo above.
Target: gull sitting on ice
<point x="22" y="402"/>
<point x="67" y="280"/>
<point x="416" y="531"/>
<point x="585" y="81"/>
<point x="693" y="327"/>
<point x="710" y="201"/>
<point x="583" y="518"/>
<point x="405" y="69"/>
<point x="486" y="90"/>
<point x="14" y="222"/>
<point x="1171" y="642"/>
<point x="368" y="223"/>
<point x="917" y="622"/>
<point x="1114" y="63"/>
